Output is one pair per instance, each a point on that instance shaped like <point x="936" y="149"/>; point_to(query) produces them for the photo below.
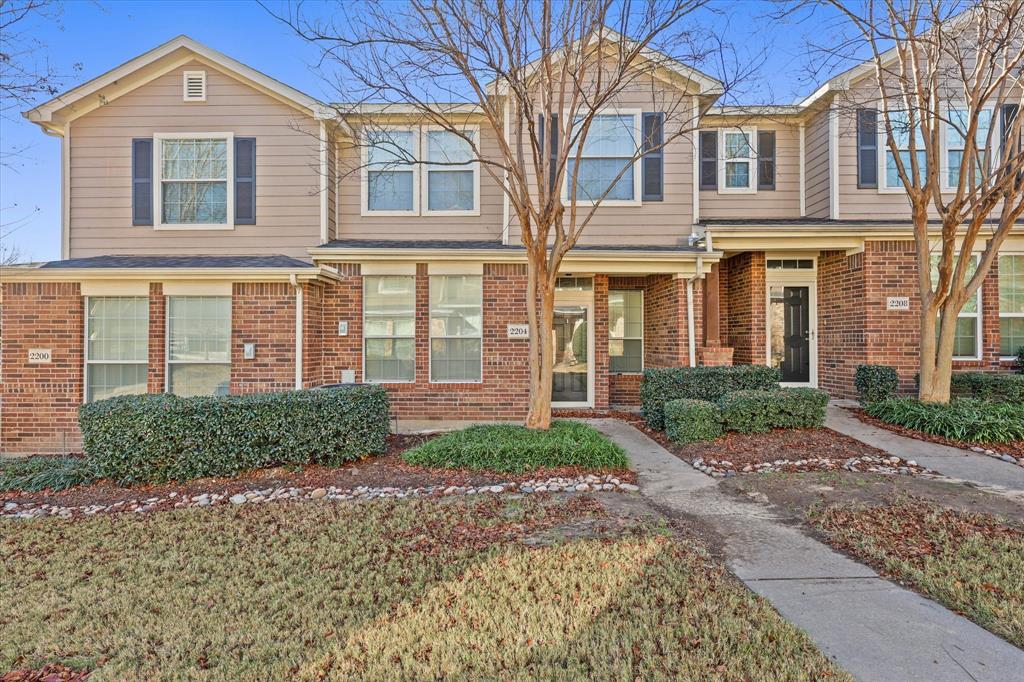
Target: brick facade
<point x="743" y="309"/>
<point x="263" y="313"/>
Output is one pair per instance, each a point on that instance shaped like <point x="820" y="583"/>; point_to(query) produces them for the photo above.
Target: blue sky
<point x="102" y="35"/>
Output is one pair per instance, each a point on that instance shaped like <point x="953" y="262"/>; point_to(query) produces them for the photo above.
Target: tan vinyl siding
<point x="332" y="186"/>
<point x="816" y="163"/>
<point x="783" y="201"/>
<point x="287" y="169"/>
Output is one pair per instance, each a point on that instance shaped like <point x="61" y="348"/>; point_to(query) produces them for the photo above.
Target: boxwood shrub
<point x="762" y="411"/>
<point x="875" y="383"/>
<point x="965" y="419"/>
<point x="1007" y="388"/>
<point x="161" y="437"/>
<point x="687" y="420"/>
<point x="662" y="384"/>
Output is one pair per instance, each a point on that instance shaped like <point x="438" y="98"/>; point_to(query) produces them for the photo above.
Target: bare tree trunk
<point x="541" y="308"/>
<point x="937" y="353"/>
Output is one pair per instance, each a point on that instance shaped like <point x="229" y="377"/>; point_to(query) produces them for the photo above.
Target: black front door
<point x="796" y="361"/>
<point x="572" y="356"/>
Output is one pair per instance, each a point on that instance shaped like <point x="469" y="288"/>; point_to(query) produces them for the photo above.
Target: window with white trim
<point x="737" y="167"/>
<point x="456" y="327"/>
<point x="198" y="345"/>
<point x="452" y="175"/>
<point x="117" y="346"/>
<point x="1011" y="305"/>
<point x="625" y="330"/>
<point x="900" y="122"/>
<point x="390" y="173"/>
<point x="955" y="141"/>
<point x="610" y="148"/>
<point x="194" y="173"/>
<point x="389" y="328"/>
<point x="967" y="338"/>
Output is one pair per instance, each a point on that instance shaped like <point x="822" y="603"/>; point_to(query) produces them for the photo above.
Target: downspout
<point x="691" y="326"/>
<point x="298" y="330"/>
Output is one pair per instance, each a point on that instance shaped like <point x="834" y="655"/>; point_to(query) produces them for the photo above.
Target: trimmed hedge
<point x="875" y="383"/>
<point x="688" y="421"/>
<point x="162" y="437"/>
<point x="1004" y="388"/>
<point x="965" y="419"/>
<point x="784" y="408"/>
<point x="660" y="385"/>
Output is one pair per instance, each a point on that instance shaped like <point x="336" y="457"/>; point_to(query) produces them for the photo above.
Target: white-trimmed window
<point x="738" y="158"/>
<point x="625" y="331"/>
<point x="967" y="338"/>
<point x="389" y="328"/>
<point x="390" y="174"/>
<point x="198" y="345"/>
<point x="117" y="346"/>
<point x="611" y="147"/>
<point x="456" y="328"/>
<point x="194" y="173"/>
<point x="955" y="142"/>
<point x="452" y="178"/>
<point x="901" y="136"/>
<point x="1011" y="305"/>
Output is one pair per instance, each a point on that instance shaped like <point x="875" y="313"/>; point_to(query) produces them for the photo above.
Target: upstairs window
<point x="453" y="178"/>
<point x="117" y="346"/>
<point x="737" y="170"/>
<point x="626" y="331"/>
<point x="610" y="148"/>
<point x="1011" y="305"/>
<point x="901" y="132"/>
<point x="956" y="127"/>
<point x="194" y="172"/>
<point x="390" y="173"/>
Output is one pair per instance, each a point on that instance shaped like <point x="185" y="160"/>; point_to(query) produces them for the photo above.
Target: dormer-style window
<point x="737" y="170"/>
<point x="194" y="86"/>
<point x="193" y="173"/>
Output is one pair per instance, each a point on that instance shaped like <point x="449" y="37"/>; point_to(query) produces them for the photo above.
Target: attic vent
<point x="195" y="86"/>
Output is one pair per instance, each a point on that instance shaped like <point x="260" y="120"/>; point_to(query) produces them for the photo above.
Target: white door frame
<point x="583" y="299"/>
<point x="794" y="278"/>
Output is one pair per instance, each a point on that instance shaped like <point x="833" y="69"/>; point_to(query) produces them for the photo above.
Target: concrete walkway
<point x="953" y="462"/>
<point x="871" y="627"/>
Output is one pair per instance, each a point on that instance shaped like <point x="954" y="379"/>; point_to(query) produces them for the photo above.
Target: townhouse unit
<point x="223" y="232"/>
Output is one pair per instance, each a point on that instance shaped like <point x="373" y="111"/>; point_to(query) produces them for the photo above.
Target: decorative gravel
<point x="864" y="463"/>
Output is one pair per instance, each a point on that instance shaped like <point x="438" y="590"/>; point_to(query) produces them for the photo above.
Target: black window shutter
<point x="142" y="181"/>
<point x="554" y="150"/>
<point x="1007" y="116"/>
<point x="540" y="133"/>
<point x="653" y="168"/>
<point x="867" y="148"/>
<point x="766" y="159"/>
<point x="709" y="159"/>
<point x="245" y="180"/>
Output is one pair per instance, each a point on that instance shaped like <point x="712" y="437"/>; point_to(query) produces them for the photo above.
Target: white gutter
<point x="298" y="331"/>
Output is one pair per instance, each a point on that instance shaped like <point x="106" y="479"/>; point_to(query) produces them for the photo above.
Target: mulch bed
<point x="51" y="672"/>
<point x="624" y="415"/>
<point x="383" y="470"/>
<point x="1013" y="447"/>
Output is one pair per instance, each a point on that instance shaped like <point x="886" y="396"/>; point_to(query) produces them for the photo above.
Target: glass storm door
<point x="790" y="319"/>
<point x="572" y="355"/>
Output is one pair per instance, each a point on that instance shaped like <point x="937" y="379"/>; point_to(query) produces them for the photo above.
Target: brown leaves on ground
<point x="51" y="672"/>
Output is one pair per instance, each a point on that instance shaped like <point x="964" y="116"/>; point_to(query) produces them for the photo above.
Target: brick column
<point x="746" y="305"/>
<point x="155" y="376"/>
<point x="599" y="353"/>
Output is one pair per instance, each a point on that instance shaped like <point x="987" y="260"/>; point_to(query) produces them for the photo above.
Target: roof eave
<point x="41" y="274"/>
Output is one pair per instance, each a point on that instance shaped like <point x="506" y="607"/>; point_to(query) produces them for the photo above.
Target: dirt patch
<point x="1013" y="447"/>
<point x="386" y="470"/>
<point x="52" y="672"/>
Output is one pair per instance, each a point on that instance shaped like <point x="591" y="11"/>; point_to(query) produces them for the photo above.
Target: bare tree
<point x="939" y="71"/>
<point x="524" y="68"/>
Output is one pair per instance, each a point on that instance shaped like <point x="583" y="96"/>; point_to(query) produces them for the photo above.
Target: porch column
<point x="712" y="352"/>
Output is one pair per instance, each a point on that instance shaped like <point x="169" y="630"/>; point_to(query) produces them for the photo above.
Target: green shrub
<point x="161" y="437"/>
<point x="687" y="421"/>
<point x="1007" y="388"/>
<point x="783" y="408"/>
<point x="965" y="419"/>
<point x="514" y="448"/>
<point x="1020" y="360"/>
<point x="32" y="474"/>
<point x="800" y="408"/>
<point x="662" y="384"/>
<point x="875" y="383"/>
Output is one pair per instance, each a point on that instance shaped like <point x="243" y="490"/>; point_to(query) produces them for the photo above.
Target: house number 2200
<point x="39" y="355"/>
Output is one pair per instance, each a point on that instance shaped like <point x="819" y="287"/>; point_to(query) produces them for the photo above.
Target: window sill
<point x="610" y="202"/>
<point x="463" y="382"/>
<point x="737" y="190"/>
<point x="474" y="213"/>
<point x="366" y="213"/>
<point x="190" y="227"/>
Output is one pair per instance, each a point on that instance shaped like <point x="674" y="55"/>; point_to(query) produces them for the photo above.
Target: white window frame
<point x="424" y="145"/>
<point x="883" y="154"/>
<point x="947" y="112"/>
<point x="431" y="337"/>
<point x="751" y="161"/>
<point x="642" y="336"/>
<point x="85" y="349"/>
<point x="977" y="315"/>
<point x="366" y="336"/>
<point x="364" y="187"/>
<point x="1019" y="254"/>
<point x="167" y="338"/>
<point x="638" y="133"/>
<point x="158" y="209"/>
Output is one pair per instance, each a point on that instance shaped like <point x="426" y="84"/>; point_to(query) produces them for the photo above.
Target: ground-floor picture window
<point x="198" y="345"/>
<point x="117" y="346"/>
<point x="967" y="338"/>
<point x="626" y="331"/>
<point x="1011" y="305"/>
<point x="456" y="327"/>
<point x="389" y="328"/>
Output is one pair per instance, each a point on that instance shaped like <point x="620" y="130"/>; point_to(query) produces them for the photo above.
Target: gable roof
<point x="52" y="115"/>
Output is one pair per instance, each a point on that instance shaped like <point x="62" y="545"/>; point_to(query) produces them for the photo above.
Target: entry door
<point x="791" y="332"/>
<point x="571" y="368"/>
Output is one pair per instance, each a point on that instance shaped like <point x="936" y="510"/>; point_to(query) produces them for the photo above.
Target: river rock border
<point x="865" y="463"/>
<point x="1008" y="458"/>
<point x="588" y="483"/>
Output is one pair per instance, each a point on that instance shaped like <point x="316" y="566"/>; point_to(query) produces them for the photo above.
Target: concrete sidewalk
<point x="960" y="464"/>
<point x="871" y="627"/>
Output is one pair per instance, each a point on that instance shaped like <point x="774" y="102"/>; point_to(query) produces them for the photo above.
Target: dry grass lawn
<point x="472" y="588"/>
